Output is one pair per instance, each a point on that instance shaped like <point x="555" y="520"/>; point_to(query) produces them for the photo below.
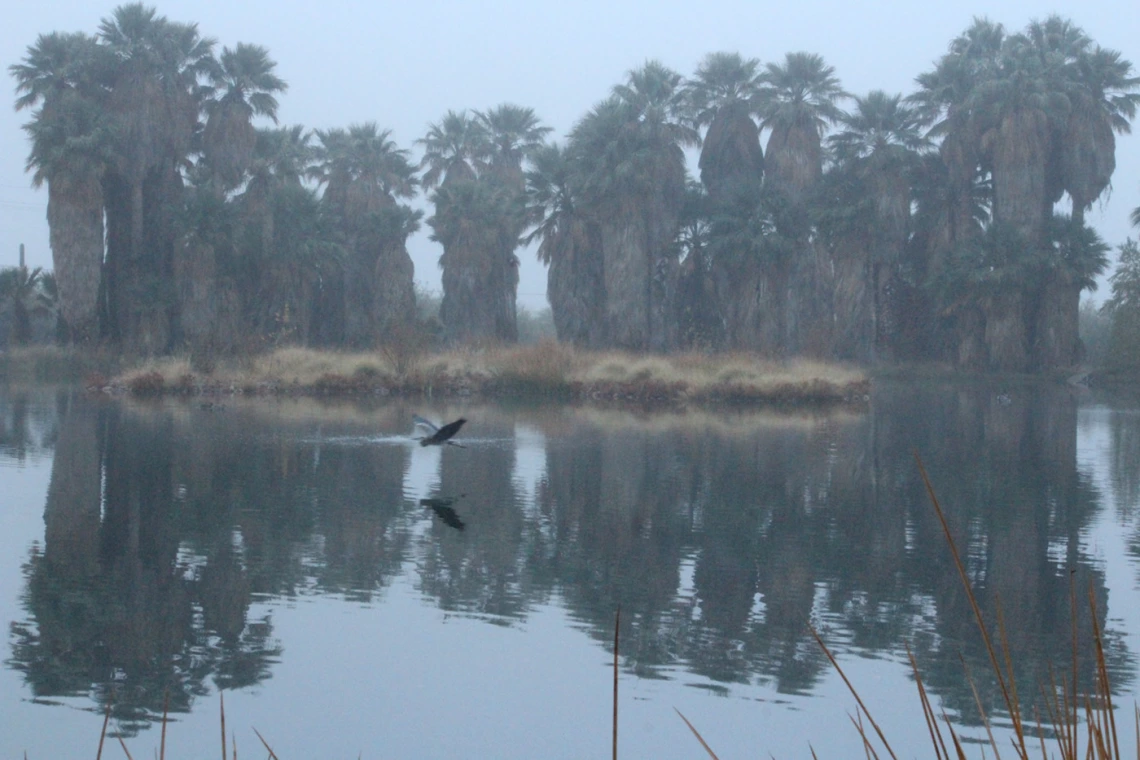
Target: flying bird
<point x="439" y="435"/>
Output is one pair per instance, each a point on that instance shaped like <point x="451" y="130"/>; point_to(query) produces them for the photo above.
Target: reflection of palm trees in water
<point x="111" y="598"/>
<point x="26" y="428"/>
<point x="477" y="570"/>
<point x="1006" y="473"/>
<point x="719" y="540"/>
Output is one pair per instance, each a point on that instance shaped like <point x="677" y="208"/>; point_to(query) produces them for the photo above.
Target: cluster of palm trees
<point x="920" y="226"/>
<point x="175" y="220"/>
<point x="904" y="226"/>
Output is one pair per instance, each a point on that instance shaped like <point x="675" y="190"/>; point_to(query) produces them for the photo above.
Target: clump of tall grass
<point x="546" y="368"/>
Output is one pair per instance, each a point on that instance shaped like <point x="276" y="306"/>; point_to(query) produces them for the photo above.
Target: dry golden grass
<point x="544" y="369"/>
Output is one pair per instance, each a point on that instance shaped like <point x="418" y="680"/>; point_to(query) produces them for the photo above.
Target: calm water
<point x="283" y="552"/>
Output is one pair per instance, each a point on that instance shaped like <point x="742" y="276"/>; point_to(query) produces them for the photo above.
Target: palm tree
<point x="952" y="215"/>
<point x="281" y="157"/>
<point x="880" y="143"/>
<point x="700" y="317"/>
<point x="365" y="173"/>
<point x="453" y="148"/>
<point x="568" y="243"/>
<point x="25" y="293"/>
<point x="1052" y="108"/>
<point x="1075" y="257"/>
<point x="1017" y="108"/>
<point x="513" y="133"/>
<point x="629" y="155"/>
<point x="1124" y="308"/>
<point x="1104" y="100"/>
<point x="71" y="148"/>
<point x="475" y="221"/>
<point x="722" y="96"/>
<point x="155" y="98"/>
<point x="476" y="163"/>
<point x="244" y="85"/>
<point x="797" y="101"/>
<point x="155" y="94"/>
<point x="944" y="103"/>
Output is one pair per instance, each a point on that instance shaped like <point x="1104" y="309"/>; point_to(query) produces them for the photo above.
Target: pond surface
<point x="355" y="594"/>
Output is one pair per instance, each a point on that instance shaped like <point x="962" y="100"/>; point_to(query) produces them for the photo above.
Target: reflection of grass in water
<point x="542" y="369"/>
<point x="393" y="415"/>
<point x="37" y="364"/>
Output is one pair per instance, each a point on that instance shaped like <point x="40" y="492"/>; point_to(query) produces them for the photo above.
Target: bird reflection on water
<point x="442" y="508"/>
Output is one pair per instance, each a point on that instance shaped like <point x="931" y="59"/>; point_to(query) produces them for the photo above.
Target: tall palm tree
<point x="568" y="243"/>
<point x="1017" y="107"/>
<point x="722" y="97"/>
<point x="155" y="99"/>
<point x="474" y="221"/>
<point x="798" y="100"/>
<point x="1051" y="110"/>
<point x="513" y="134"/>
<point x="944" y="103"/>
<point x="282" y="157"/>
<point x="880" y="143"/>
<point x="155" y="95"/>
<point x="629" y="152"/>
<point x="244" y="86"/>
<point x="950" y="216"/>
<point x="476" y="164"/>
<point x="71" y="148"/>
<point x="365" y="174"/>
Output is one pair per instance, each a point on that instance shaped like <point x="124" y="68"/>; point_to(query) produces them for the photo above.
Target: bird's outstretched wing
<point x="419" y="421"/>
<point x="443" y="435"/>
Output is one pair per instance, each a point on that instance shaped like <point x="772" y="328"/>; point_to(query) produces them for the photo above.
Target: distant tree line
<point x="917" y="227"/>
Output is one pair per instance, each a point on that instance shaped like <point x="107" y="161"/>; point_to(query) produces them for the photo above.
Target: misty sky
<point x="404" y="65"/>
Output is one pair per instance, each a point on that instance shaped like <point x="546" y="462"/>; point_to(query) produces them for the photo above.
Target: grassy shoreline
<point x="544" y="370"/>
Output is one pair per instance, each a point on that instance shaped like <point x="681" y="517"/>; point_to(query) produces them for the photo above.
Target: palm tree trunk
<point x="394" y="286"/>
<point x="1019" y="173"/>
<point x="71" y="514"/>
<point x="626" y="270"/>
<point x="137" y="207"/>
<point x="1056" y="341"/>
<point x="75" y="219"/>
<point x="971" y="334"/>
<point x="1006" y="339"/>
